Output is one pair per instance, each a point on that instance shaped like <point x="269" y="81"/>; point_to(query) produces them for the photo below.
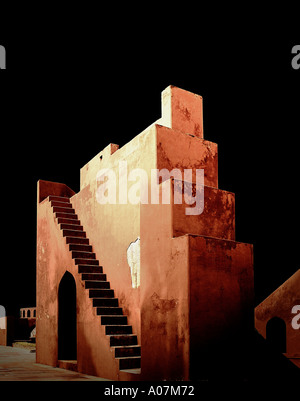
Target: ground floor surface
<point x="18" y="364"/>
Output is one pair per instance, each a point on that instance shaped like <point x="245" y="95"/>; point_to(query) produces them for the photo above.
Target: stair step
<point x="129" y="362"/>
<point x="74" y="233"/>
<point x="101" y="293"/>
<point x="118" y="340"/>
<point x="66" y="215"/>
<point x="90" y="269"/>
<point x="114" y="320"/>
<point x="59" y="209"/>
<point x="62" y="220"/>
<point x="118" y="329"/>
<point x="97" y="284"/>
<point x="107" y="302"/>
<point x="59" y="198"/>
<point x="75" y="227"/>
<point x="61" y="204"/>
<point x="83" y="255"/>
<point x="93" y="276"/>
<point x="80" y="247"/>
<point x="125" y="351"/>
<point x="106" y="310"/>
<point x="83" y="261"/>
<point x="77" y="240"/>
<point x="68" y="364"/>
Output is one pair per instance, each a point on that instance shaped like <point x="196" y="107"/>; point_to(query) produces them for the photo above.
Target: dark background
<point x="67" y="94"/>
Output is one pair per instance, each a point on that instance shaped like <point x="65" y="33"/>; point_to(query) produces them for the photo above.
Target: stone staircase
<point x="123" y="342"/>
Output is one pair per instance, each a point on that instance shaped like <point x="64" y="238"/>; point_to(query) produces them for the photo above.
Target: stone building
<point x="14" y="329"/>
<point x="131" y="288"/>
<point x="29" y="313"/>
<point x="277" y="318"/>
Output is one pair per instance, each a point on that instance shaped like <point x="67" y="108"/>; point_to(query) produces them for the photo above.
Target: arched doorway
<point x="276" y="334"/>
<point x="67" y="319"/>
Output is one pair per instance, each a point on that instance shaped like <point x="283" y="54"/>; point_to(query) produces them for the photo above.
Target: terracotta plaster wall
<point x="221" y="291"/>
<point x="176" y="149"/>
<point x="164" y="296"/>
<point x="51" y="255"/>
<point x="196" y="293"/>
<point x="46" y="188"/>
<point x="280" y="304"/>
<point x="216" y="216"/>
<point x="3" y="337"/>
<point x="94" y="355"/>
<point x="112" y="228"/>
<point x="182" y="110"/>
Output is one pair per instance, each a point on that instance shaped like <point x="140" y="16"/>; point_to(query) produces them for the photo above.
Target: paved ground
<point x="18" y="364"/>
